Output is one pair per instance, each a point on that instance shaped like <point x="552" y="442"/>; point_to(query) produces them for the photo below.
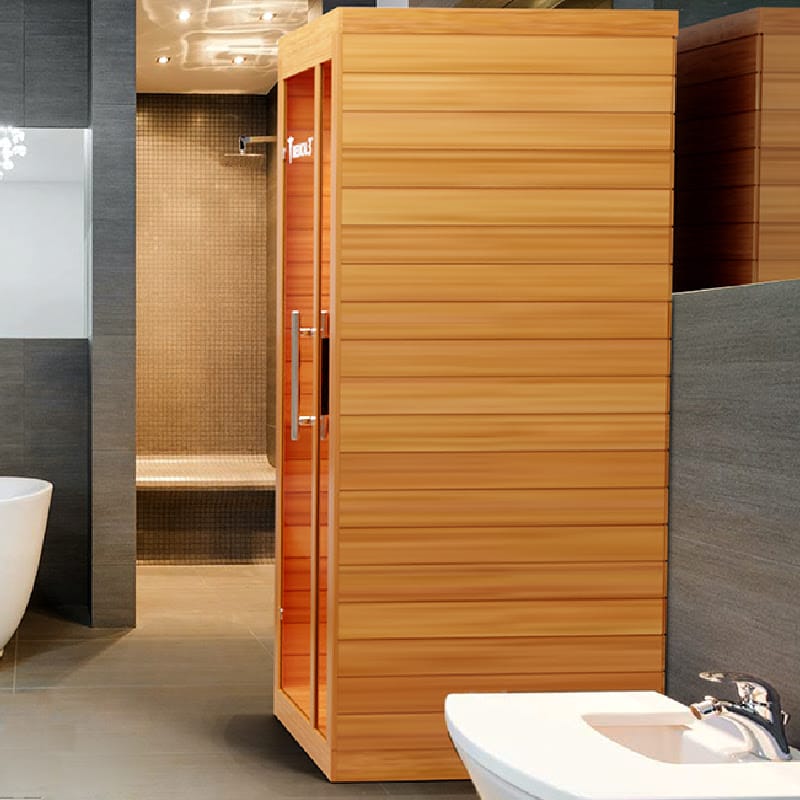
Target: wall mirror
<point x="45" y="238"/>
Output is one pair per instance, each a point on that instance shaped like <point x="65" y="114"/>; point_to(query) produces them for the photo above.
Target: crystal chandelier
<point x="11" y="145"/>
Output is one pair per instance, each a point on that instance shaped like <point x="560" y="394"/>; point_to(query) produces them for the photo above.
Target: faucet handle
<point x="752" y="691"/>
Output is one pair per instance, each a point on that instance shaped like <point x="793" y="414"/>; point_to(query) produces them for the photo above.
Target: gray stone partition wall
<point x="734" y="558"/>
<point x="67" y="406"/>
<point x="113" y="339"/>
<point x="44" y="433"/>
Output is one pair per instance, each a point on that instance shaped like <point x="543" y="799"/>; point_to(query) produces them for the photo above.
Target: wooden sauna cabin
<point x="476" y="229"/>
<point x="738" y="150"/>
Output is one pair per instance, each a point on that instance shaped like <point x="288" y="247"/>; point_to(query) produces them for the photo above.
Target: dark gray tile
<point x="735" y="456"/>
<point x="114" y="394"/>
<point x="12" y="456"/>
<point x="56" y="75"/>
<point x="114" y="295"/>
<point x="114" y="52"/>
<point x="12" y="85"/>
<point x="64" y="362"/>
<point x="12" y="413"/>
<point x="114" y="161"/>
<point x="66" y="467"/>
<point x="76" y="11"/>
<point x="113" y="505"/>
<point x="12" y="360"/>
<point x="114" y="590"/>
<point x="12" y="10"/>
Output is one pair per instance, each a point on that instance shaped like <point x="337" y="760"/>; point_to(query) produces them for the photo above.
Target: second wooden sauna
<point x="475" y="332"/>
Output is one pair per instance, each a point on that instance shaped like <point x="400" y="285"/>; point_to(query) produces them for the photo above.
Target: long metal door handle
<point x="295" y="414"/>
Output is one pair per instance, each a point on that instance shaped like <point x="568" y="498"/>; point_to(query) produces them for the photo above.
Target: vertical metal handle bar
<point x="295" y="414"/>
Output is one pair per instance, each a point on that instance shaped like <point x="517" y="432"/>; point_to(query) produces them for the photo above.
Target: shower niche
<point x="473" y="339"/>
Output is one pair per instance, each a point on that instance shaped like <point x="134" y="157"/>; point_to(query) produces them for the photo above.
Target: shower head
<point x="244" y="141"/>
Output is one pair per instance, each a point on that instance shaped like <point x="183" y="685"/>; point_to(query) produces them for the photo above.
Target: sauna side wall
<point x="738" y="150"/>
<point x="779" y="198"/>
<point x="716" y="156"/>
<point x="503" y="293"/>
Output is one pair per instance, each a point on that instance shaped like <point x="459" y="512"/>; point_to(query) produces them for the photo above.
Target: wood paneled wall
<point x="738" y="150"/>
<point x="501" y="226"/>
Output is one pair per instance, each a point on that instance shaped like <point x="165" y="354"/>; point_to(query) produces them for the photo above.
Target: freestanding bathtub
<point x="24" y="503"/>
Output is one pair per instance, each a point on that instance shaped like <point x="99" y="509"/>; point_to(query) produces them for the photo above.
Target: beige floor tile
<point x="141" y="661"/>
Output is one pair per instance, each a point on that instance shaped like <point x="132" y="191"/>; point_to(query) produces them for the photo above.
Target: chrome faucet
<point x="758" y="713"/>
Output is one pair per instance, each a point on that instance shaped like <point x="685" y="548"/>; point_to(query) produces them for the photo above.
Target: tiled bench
<point x="205" y="473"/>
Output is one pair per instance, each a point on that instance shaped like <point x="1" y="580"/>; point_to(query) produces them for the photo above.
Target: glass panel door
<point x="299" y="429"/>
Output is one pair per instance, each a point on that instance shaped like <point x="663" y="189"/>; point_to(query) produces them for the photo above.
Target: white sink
<point x="608" y="746"/>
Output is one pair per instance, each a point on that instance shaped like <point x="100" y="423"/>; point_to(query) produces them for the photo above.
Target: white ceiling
<point x="201" y="50"/>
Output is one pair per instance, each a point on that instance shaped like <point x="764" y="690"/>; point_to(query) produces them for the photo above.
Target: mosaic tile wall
<point x="206" y="319"/>
<point x="202" y="281"/>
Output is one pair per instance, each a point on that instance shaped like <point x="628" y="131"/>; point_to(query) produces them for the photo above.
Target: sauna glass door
<point x="304" y="462"/>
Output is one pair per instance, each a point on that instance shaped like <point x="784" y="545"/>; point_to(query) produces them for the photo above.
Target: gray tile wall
<point x="44" y="384"/>
<point x="44" y="433"/>
<point x="735" y="490"/>
<point x="44" y="63"/>
<point x="113" y="342"/>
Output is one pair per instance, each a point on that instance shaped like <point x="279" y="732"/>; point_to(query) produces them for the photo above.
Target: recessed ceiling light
<point x="162" y="60"/>
<point x="239" y="59"/>
<point x="184" y="15"/>
<point x="268" y="16"/>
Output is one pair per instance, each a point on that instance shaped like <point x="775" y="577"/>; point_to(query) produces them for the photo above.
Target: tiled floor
<point x="178" y="709"/>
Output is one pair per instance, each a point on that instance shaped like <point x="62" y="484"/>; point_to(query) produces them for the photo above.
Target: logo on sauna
<point x="299" y="150"/>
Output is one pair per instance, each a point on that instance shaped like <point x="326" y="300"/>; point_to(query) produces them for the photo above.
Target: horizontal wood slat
<point x="398" y="433"/>
<point x="502" y="282"/>
<point x="779" y="242"/>
<point x="507" y="130"/>
<point x="499" y="656"/>
<point x="487" y="619"/>
<point x="720" y="60"/>
<point x="502" y="507"/>
<point x="717" y="98"/>
<point x="781" y="91"/>
<point x="712" y="134"/>
<point x="513" y="22"/>
<point x="420" y="694"/>
<point x="717" y="169"/>
<point x="780" y="166"/>
<point x="506" y="206"/>
<point x="591" y="55"/>
<point x="780" y="204"/>
<point x="508" y="92"/>
<point x="504" y="581"/>
<point x="779" y="270"/>
<point x="441" y="167"/>
<point x="779" y="128"/>
<point x="504" y="396"/>
<point x="532" y="357"/>
<point x="398" y="765"/>
<point x="524" y="544"/>
<point x="781" y="53"/>
<point x="359" y="732"/>
<point x="502" y="470"/>
<point x="442" y="320"/>
<point x="389" y="244"/>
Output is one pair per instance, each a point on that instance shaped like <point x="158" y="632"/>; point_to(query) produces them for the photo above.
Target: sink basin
<point x="608" y="746"/>
<point x="713" y="740"/>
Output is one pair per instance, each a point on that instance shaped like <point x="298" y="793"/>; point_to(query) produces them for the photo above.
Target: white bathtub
<point x="24" y="503"/>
